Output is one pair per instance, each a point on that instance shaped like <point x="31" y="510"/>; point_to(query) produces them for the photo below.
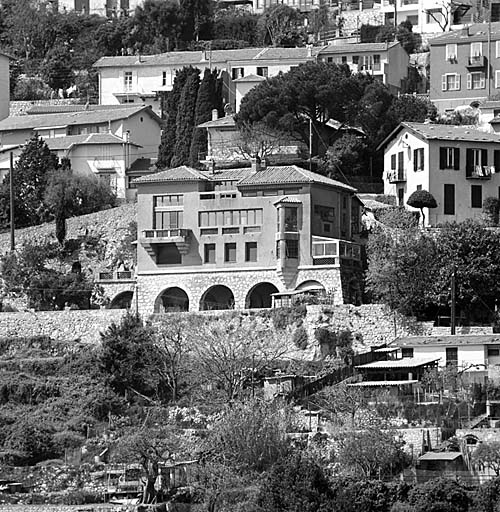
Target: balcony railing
<point x="115" y="275"/>
<point x="396" y="176"/>
<point x="480" y="172"/>
<point x="152" y="234"/>
<point x="330" y="251"/>
<point x="476" y="61"/>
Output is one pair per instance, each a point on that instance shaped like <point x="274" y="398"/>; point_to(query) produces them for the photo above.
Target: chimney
<point x="255" y="164"/>
<point x="465" y="31"/>
<point x="215" y="114"/>
<point x="211" y="166"/>
<point x="263" y="164"/>
<point x="309" y="50"/>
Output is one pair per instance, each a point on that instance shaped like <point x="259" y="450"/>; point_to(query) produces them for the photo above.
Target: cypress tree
<point x="167" y="144"/>
<point x="185" y="120"/>
<point x="207" y="101"/>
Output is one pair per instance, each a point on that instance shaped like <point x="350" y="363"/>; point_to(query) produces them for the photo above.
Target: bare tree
<point x="227" y="351"/>
<point x="444" y="10"/>
<point x="259" y="141"/>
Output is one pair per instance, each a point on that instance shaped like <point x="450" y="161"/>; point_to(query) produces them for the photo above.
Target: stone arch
<point x="217" y="297"/>
<point x="122" y="301"/>
<point x="310" y="286"/>
<point x="259" y="296"/>
<point x="172" y="299"/>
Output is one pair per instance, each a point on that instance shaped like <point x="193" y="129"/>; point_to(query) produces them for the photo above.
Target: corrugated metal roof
<point x="476" y="32"/>
<point x="356" y="48"/>
<point x="406" y="362"/>
<point x="440" y="456"/>
<point x="289" y="174"/>
<point x="72" y="118"/>
<point x="182" y="173"/>
<point x="459" y="339"/>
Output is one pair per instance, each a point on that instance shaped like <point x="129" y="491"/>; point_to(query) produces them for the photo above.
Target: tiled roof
<point x="406" y="362"/>
<point x="451" y="132"/>
<point x="476" y="32"/>
<point x="226" y="121"/>
<point x="59" y="143"/>
<point x="460" y="339"/>
<point x="440" y="456"/>
<point x="356" y="48"/>
<point x="59" y="109"/>
<point x="287" y="199"/>
<point x="228" y="174"/>
<point x="204" y="57"/>
<point x="182" y="173"/>
<point x="289" y="174"/>
<point x="72" y="118"/>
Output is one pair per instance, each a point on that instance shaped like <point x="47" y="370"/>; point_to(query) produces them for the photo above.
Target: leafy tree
<point x="196" y="18"/>
<point x="207" y="100"/>
<point x="372" y="453"/>
<point x="401" y="259"/>
<point x="57" y="68"/>
<point x="168" y="137"/>
<point x="422" y="199"/>
<point x="411" y="109"/>
<point x="251" y="436"/>
<point x="236" y="24"/>
<point x="127" y="357"/>
<point x="347" y="156"/>
<point x="488" y="454"/>
<point x="439" y="495"/>
<point x="295" y="484"/>
<point x="185" y="120"/>
<point x="31" y="171"/>
<point x="487" y="498"/>
<point x="281" y="25"/>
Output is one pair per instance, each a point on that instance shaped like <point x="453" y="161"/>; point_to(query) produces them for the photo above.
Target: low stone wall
<point x="99" y="507"/>
<point x="81" y="325"/>
<point x="20" y="108"/>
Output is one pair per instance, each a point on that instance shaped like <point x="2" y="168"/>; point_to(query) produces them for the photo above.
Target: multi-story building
<point x="141" y="79"/>
<point x="234" y="238"/>
<point x="465" y="66"/>
<point x="456" y="164"/>
<point x="108" y="8"/>
<point x="387" y="62"/>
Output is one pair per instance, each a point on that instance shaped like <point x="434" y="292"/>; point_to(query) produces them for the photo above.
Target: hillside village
<point x="249" y="256"/>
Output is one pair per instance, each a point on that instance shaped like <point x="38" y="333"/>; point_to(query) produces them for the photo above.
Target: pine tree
<point x="185" y="120"/>
<point x="207" y="101"/>
<point x="167" y="144"/>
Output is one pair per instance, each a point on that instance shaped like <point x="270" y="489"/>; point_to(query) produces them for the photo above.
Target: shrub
<point x="491" y="207"/>
<point x="300" y="338"/>
<point x="283" y="317"/>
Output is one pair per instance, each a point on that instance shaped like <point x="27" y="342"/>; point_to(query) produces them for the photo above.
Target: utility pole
<point x="11" y="194"/>
<point x="453" y="313"/>
<point x="310" y="143"/>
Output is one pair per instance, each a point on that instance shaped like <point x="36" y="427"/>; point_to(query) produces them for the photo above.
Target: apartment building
<point x="465" y="66"/>
<point x="456" y="164"/>
<point x="107" y="8"/>
<point x="241" y="238"/>
<point x="141" y="79"/>
<point x="387" y="62"/>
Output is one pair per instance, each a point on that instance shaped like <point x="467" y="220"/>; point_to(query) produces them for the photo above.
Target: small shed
<point x="441" y="464"/>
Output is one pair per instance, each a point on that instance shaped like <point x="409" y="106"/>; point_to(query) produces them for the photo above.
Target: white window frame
<point x="451" y="51"/>
<point x="444" y="82"/>
<point x="476" y="49"/>
<point x="470" y="80"/>
<point x="497" y="79"/>
<point x="128" y="80"/>
<point x="497" y="49"/>
<point x="163" y="78"/>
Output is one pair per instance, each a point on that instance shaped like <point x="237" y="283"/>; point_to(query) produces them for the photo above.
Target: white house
<point x="387" y="62"/>
<point x="456" y="164"/>
<point x="141" y="79"/>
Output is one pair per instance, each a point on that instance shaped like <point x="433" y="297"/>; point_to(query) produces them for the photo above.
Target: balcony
<point x="153" y="237"/>
<point x="334" y="252"/>
<point x="480" y="172"/>
<point x="398" y="176"/>
<point x="476" y="62"/>
<point x="115" y="275"/>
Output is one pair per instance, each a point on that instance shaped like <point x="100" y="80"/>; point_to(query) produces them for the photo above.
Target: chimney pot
<point x="255" y="164"/>
<point x="215" y="114"/>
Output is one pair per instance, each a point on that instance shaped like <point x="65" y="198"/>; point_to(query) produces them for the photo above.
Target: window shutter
<point x="484" y="157"/>
<point x="400" y="161"/>
<point x="415" y="160"/>
<point x="457" y="82"/>
<point x="496" y="160"/>
<point x="469" y="157"/>
<point x="456" y="158"/>
<point x="443" y="82"/>
<point x="442" y="158"/>
<point x="469" y="80"/>
<point x="482" y="83"/>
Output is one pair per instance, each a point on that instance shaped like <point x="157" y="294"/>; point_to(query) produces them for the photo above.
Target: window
<point x="376" y="62"/>
<point x="476" y="196"/>
<point x="393" y="162"/>
<point x="475" y="158"/>
<point x="292" y="249"/>
<point x="167" y="200"/>
<point x="497" y="47"/>
<point x="321" y="249"/>
<point x="450" y="82"/>
<point x="209" y="256"/>
<point x="237" y="73"/>
<point x="449" y="199"/>
<point x="355" y="59"/>
<point x="164" y="78"/>
<point x="419" y="187"/>
<point x="344" y="59"/>
<point x="168" y="220"/>
<point x="230" y="218"/>
<point x="451" y="52"/>
<point x="127" y="81"/>
<point x="497" y="78"/>
<point x="326" y="213"/>
<point x="476" y="80"/>
<point x="168" y="254"/>
<point x="262" y="71"/>
<point x="230" y="252"/>
<point x="476" y="49"/>
<point x="291" y="219"/>
<point x="329" y="59"/>
<point x="496" y="159"/>
<point x="407" y="352"/>
<point x="251" y="251"/>
<point x="449" y="158"/>
<point x="451" y="356"/>
<point x="418" y="159"/>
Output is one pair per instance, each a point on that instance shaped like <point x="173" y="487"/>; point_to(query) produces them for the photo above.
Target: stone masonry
<point x="240" y="282"/>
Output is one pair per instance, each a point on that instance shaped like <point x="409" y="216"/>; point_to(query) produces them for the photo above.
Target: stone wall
<point x="354" y="19"/>
<point x="81" y="325"/>
<point x="20" y="108"/>
<point x="100" y="507"/>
